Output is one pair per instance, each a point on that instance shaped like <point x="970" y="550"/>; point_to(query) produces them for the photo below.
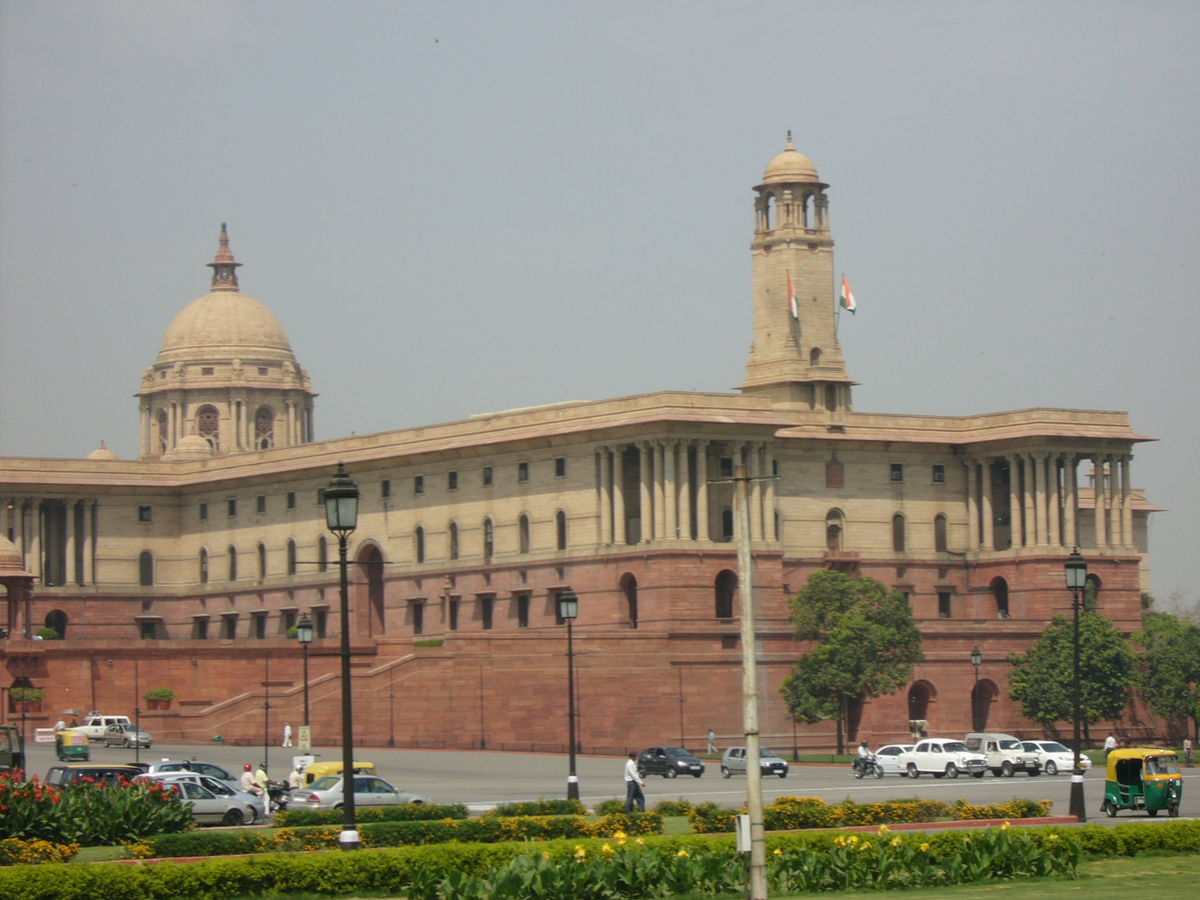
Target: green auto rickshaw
<point x="72" y="744"/>
<point x="1142" y="778"/>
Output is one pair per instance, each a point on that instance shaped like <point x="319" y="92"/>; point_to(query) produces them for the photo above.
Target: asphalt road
<point x="483" y="779"/>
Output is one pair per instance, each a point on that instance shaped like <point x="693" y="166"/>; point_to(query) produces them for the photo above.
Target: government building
<point x="190" y="566"/>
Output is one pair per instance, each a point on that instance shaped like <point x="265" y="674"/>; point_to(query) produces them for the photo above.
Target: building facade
<point x="188" y="566"/>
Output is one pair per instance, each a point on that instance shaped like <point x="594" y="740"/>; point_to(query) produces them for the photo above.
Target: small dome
<point x="790" y="166"/>
<point x="190" y="447"/>
<point x="102" y="452"/>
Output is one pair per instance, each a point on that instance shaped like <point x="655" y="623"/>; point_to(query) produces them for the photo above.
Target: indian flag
<point x="792" y="298"/>
<point x="847" y="298"/>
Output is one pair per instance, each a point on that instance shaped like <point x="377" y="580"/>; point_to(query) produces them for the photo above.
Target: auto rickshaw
<point x="321" y="769"/>
<point x="72" y="744"/>
<point x="1142" y="778"/>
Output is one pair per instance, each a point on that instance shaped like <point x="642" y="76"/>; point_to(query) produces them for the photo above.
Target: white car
<point x="326" y="793"/>
<point x="943" y="758"/>
<point x="893" y="759"/>
<point x="221" y="789"/>
<point x="1054" y="757"/>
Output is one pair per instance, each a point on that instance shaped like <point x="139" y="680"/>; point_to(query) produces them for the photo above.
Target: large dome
<point x="790" y="166"/>
<point x="224" y="325"/>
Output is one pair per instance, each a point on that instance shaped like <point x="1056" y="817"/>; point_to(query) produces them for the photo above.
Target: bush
<point x="159" y="693"/>
<point x="606" y="807"/>
<point x="539" y="807"/>
<point x="406" y="812"/>
<point x="678" y="807"/>
<point x="47" y="633"/>
<point x="14" y="851"/>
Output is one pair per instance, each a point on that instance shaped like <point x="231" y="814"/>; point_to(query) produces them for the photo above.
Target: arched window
<point x="1091" y="592"/>
<point x="834" y="530"/>
<point x="57" y="619"/>
<point x="322" y="554"/>
<point x="814" y="356"/>
<point x="999" y="588"/>
<point x="232" y="563"/>
<point x="291" y="557"/>
<point x="726" y="587"/>
<point x="941" y="532"/>
<point x="560" y="529"/>
<point x="629" y="589"/>
<point x="262" y="560"/>
<point x="419" y="543"/>
<point x="163" y="430"/>
<point x="489" y="539"/>
<point x="264" y="428"/>
<point x="146" y="568"/>
<point x="208" y="425"/>
<point x="204" y="567"/>
<point x="920" y="695"/>
<point x="523" y="532"/>
<point x="453" y="538"/>
<point x="898" y="533"/>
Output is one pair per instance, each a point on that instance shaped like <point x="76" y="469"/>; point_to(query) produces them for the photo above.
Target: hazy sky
<point x="459" y="207"/>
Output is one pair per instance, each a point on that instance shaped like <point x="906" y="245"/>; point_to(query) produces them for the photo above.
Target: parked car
<point x="734" y="760"/>
<point x="1003" y="753"/>
<point x="127" y="735"/>
<point x="164" y="766"/>
<point x="209" y="808"/>
<point x="256" y="805"/>
<point x="1054" y="757"/>
<point x="326" y="793"/>
<point x="943" y="758"/>
<point x="892" y="758"/>
<point x="94" y="726"/>
<point x="669" y="762"/>
<point x="65" y="774"/>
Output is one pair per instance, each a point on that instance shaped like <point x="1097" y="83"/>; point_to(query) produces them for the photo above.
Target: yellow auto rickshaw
<point x="72" y="744"/>
<point x="1142" y="778"/>
<point x="321" y="769"/>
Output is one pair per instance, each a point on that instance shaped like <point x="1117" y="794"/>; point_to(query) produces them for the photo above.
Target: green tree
<point x="1043" y="678"/>
<point x="1169" y="668"/>
<point x="866" y="645"/>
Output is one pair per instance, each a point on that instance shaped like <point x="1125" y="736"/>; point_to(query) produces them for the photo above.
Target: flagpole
<point x="837" y="305"/>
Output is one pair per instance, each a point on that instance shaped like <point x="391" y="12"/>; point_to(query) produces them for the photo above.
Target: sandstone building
<point x="188" y="566"/>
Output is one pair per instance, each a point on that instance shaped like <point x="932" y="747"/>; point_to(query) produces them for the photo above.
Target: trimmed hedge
<point x="540" y="807"/>
<point x="406" y="812"/>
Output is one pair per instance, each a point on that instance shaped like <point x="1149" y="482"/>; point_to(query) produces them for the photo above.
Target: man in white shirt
<point x="633" y="786"/>
<point x="1110" y="744"/>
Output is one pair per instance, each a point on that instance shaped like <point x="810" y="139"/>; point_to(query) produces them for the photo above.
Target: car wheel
<point x="1152" y="812"/>
<point x="128" y="744"/>
<point x="1173" y="811"/>
<point x="912" y="771"/>
<point x="1051" y="768"/>
<point x="670" y="773"/>
<point x="1007" y="770"/>
<point x="951" y="770"/>
<point x="233" y="817"/>
<point x="1110" y="808"/>
<point x="783" y="774"/>
<point x="725" y="773"/>
<point x="858" y="773"/>
<point x="697" y="774"/>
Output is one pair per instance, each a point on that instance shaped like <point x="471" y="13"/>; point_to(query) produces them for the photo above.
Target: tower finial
<point x="790" y="145"/>
<point x="224" y="266"/>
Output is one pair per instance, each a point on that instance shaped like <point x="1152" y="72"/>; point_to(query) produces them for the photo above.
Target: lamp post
<point x="341" y="517"/>
<point x="568" y="609"/>
<point x="976" y="661"/>
<point x="679" y="672"/>
<point x="304" y="634"/>
<point x="266" y="711"/>
<point x="1076" y="570"/>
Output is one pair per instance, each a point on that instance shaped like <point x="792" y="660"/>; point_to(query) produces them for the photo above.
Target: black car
<point x="669" y="762"/>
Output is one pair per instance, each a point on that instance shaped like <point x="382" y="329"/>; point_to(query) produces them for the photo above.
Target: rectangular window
<point x="523" y="471"/>
<point x="259" y="626"/>
<point x="897" y="471"/>
<point x="486" y="605"/>
<point x="148" y="629"/>
<point x="454" y="614"/>
<point x="320" y="618"/>
<point x="775" y="467"/>
<point x="418" y="617"/>
<point x="452" y="481"/>
<point x="726" y="467"/>
<point x="944" y="604"/>
<point x="291" y="500"/>
<point x="260" y="504"/>
<point x="207" y="370"/>
<point x="262" y="370"/>
<point x="939" y="474"/>
<point x="320" y="496"/>
<point x="229" y="627"/>
<point x="203" y="511"/>
<point x="487" y="476"/>
<point x="200" y="628"/>
<point x="289" y="620"/>
<point x="560" y="466"/>
<point x="145" y="514"/>
<point x="231" y="507"/>
<point x="418" y="484"/>
<point x="522" y="610"/>
<point x="385" y="489"/>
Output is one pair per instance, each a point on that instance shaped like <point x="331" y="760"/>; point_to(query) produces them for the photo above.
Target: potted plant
<point x="159" y="697"/>
<point x="27" y="696"/>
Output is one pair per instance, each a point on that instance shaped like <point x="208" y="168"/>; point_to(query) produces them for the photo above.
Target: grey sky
<point x="459" y="207"/>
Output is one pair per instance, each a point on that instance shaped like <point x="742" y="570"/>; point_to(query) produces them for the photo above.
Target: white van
<point x="1004" y="753"/>
<point x="95" y="726"/>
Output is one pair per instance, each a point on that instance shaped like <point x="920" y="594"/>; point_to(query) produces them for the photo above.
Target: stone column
<point x="972" y="504"/>
<point x="660" y="491"/>
<point x="685" y="490"/>
<point x="89" y="548"/>
<point x="35" y="538"/>
<point x="173" y="425"/>
<point x="1014" y="501"/>
<point x="671" y="489"/>
<point x="604" y="454"/>
<point x="70" y="576"/>
<point x="1070" y="500"/>
<point x="1126" y="502"/>
<point x="620" y="520"/>
<point x="769" y="493"/>
<point x="1054" y="513"/>
<point x="1098" y="496"/>
<point x="646" y="512"/>
<point x="702" y="528"/>
<point x="1112" y="508"/>
<point x="985" y="498"/>
<point x="1039" y="497"/>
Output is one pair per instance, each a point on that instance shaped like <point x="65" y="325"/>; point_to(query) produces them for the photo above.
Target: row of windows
<point x="488" y="537"/>
<point x="487" y="476"/>
<point x="937" y="475"/>
<point x="835" y="532"/>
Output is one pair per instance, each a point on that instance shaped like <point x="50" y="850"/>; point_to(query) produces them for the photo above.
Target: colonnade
<point x="45" y="547"/>
<point x="293" y="424"/>
<point x="1042" y="504"/>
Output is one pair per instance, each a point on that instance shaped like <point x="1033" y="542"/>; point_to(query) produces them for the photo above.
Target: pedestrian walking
<point x="1110" y="744"/>
<point x="287" y="734"/>
<point x="633" y="786"/>
<point x="1187" y="750"/>
<point x="712" y="741"/>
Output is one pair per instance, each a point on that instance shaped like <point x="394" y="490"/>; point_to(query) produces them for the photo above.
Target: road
<point x="483" y="779"/>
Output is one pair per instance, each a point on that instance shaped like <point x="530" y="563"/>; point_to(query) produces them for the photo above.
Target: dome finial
<point x="790" y="145"/>
<point x="224" y="266"/>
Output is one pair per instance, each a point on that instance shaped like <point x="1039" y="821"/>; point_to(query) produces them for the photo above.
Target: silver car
<point x="221" y="789"/>
<point x="207" y="807"/>
<point x="172" y="766"/>
<point x="734" y="761"/>
<point x="326" y="793"/>
<point x="127" y="735"/>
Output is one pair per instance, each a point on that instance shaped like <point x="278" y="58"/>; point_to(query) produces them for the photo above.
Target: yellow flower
<point x="883" y="829"/>
<point x="896" y="842"/>
<point x="607" y="848"/>
<point x="1054" y="837"/>
<point x="778" y="852"/>
<point x="924" y="848"/>
<point x="620" y="837"/>
<point x="580" y="852"/>
<point x="853" y="839"/>
<point x="1005" y="826"/>
<point x="683" y="853"/>
<point x="545" y="856"/>
<point x="640" y="842"/>
<point x="839" y="841"/>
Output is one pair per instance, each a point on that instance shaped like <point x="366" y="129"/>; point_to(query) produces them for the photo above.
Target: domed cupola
<point x="225" y="373"/>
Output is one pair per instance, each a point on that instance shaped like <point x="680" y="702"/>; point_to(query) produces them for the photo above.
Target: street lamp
<point x="1076" y="570"/>
<point x="976" y="661"/>
<point x="341" y="517"/>
<point x="568" y="609"/>
<point x="304" y="634"/>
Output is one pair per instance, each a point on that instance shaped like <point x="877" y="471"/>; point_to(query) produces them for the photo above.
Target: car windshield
<point x="1054" y="747"/>
<point x="764" y="752"/>
<point x="1010" y="745"/>
<point x="954" y="746"/>
<point x="1162" y="765"/>
<point x="326" y="783"/>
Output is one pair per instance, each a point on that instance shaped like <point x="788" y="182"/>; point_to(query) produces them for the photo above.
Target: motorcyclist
<point x="864" y="754"/>
<point x="249" y="783"/>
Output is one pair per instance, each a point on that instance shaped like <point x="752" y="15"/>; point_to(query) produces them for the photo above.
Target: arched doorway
<point x="983" y="695"/>
<point x="725" y="588"/>
<point x="57" y="619"/>
<point x="370" y="562"/>
<point x="999" y="588"/>
<point x="629" y="588"/>
<point x="920" y="700"/>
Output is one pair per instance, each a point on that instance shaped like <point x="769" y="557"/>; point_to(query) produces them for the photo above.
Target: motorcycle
<point x="867" y="765"/>
<point x="279" y="793"/>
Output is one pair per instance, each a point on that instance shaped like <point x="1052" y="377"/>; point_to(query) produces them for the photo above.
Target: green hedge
<point x="407" y="812"/>
<point x="539" y="807"/>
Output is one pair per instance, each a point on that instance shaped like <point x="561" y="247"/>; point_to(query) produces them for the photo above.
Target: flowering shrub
<point x="15" y="850"/>
<point x="1016" y="808"/>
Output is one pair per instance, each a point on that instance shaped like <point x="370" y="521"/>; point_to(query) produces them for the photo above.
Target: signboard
<point x="305" y="742"/>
